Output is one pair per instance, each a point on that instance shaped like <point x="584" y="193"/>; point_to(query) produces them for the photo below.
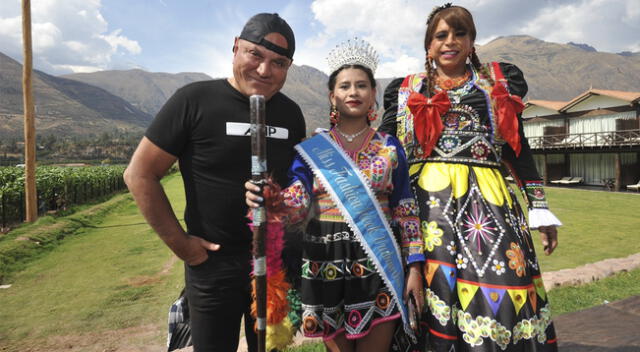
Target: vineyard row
<point x="57" y="188"/>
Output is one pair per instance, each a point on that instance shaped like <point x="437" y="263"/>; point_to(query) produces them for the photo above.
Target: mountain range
<point x="82" y="103"/>
<point x="63" y="106"/>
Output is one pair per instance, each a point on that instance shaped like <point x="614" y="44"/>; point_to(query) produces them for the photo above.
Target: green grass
<point x="113" y="275"/>
<point x="574" y="298"/>
<point x="596" y="225"/>
<point x="109" y="279"/>
<point x="31" y="240"/>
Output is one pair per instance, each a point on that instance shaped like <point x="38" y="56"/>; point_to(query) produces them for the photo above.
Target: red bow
<point x="427" y="121"/>
<point x="507" y="109"/>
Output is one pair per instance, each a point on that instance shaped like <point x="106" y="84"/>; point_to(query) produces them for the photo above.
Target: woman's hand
<point x="549" y="237"/>
<point x="414" y="285"/>
<point x="252" y="197"/>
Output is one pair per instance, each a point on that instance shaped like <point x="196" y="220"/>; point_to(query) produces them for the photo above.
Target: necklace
<point x="351" y="137"/>
<point x="449" y="83"/>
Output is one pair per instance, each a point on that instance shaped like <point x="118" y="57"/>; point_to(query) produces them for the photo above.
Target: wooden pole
<point x="31" y="205"/>
<point x="618" y="175"/>
<point x="258" y="176"/>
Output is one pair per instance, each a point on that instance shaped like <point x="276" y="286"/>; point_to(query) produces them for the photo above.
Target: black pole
<point x="258" y="176"/>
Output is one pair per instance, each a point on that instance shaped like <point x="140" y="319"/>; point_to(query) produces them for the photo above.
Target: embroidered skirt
<point x="341" y="290"/>
<point x="484" y="290"/>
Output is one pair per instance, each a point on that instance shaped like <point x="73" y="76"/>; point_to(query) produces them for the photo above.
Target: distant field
<point x="108" y="287"/>
<point x="596" y="225"/>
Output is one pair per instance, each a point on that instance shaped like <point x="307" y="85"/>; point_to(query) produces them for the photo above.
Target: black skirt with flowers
<point x="484" y="289"/>
<point x="341" y="290"/>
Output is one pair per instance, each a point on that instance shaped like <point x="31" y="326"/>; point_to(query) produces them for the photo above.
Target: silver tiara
<point x="353" y="52"/>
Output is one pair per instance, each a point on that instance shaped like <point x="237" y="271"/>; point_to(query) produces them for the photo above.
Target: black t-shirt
<point x="206" y="125"/>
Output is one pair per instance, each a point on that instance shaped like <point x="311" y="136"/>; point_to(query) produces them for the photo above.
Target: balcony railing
<point x="626" y="138"/>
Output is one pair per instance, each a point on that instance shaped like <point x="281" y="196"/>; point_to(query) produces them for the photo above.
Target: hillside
<point x="562" y="71"/>
<point x="63" y="106"/>
<point x="147" y="91"/>
<point x="72" y="104"/>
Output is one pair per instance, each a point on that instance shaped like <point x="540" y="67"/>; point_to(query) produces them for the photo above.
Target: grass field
<point x="596" y="225"/>
<point x="109" y="285"/>
<point x="111" y="276"/>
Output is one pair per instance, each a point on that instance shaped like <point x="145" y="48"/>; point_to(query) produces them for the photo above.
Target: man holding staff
<point x="205" y="126"/>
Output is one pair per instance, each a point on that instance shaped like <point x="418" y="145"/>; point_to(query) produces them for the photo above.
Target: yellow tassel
<point x="279" y="336"/>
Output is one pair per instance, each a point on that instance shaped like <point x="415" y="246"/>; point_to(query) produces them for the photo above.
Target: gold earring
<point x="334" y="115"/>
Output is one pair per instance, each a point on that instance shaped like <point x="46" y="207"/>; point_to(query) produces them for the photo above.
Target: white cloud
<point x="605" y="25"/>
<point x="393" y="27"/>
<point x="396" y="27"/>
<point x="67" y="35"/>
<point x="116" y="40"/>
<point x="400" y="66"/>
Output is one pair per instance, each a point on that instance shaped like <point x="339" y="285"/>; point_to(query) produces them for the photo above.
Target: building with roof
<point x="594" y="137"/>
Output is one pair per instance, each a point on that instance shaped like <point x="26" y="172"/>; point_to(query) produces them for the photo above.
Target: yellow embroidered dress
<point x="484" y="290"/>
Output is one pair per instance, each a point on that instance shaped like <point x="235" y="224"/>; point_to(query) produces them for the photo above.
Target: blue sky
<point x="197" y="35"/>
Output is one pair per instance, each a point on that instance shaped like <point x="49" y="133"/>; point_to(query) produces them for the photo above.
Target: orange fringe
<point x="277" y="304"/>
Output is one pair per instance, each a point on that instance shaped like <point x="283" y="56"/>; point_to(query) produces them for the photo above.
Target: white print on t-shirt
<point x="244" y="129"/>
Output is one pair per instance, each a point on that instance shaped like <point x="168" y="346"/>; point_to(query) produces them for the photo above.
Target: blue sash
<point x="349" y="190"/>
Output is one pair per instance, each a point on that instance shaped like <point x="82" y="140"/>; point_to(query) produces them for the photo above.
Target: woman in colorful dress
<point x="459" y="123"/>
<point x="351" y="184"/>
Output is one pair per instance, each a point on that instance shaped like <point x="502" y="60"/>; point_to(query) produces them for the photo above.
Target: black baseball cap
<point x="262" y="24"/>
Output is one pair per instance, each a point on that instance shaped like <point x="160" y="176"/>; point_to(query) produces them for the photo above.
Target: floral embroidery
<point x="535" y="327"/>
<point x="448" y="143"/>
<point x="480" y="150"/>
<point x="379" y="166"/>
<point x="516" y="259"/>
<point x="358" y="269"/>
<point x="478" y="227"/>
<point x="482" y="327"/>
<point x="330" y="272"/>
<point x="535" y="194"/>
<point x="433" y="202"/>
<point x="364" y="163"/>
<point x="405" y="214"/>
<point x="438" y="307"/>
<point x="452" y="248"/>
<point x="475" y="329"/>
<point x="310" y="325"/>
<point x="433" y="235"/>
<point x="461" y="262"/>
<point x="383" y="300"/>
<point x="297" y="200"/>
<point x="498" y="267"/>
<point x="406" y="207"/>
<point x="354" y="318"/>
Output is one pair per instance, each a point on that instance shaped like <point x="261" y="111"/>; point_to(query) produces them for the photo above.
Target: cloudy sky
<point x="197" y="35"/>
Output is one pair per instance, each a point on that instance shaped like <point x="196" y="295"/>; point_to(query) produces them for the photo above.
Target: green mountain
<point x="63" y="106"/>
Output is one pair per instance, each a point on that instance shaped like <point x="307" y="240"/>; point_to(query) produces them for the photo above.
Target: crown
<point x="353" y="52"/>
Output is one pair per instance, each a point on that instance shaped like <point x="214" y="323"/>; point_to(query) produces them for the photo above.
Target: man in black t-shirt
<point x="205" y="126"/>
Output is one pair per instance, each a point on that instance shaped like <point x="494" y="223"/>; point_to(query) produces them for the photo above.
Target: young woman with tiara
<point x="459" y="123"/>
<point x="351" y="184"/>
